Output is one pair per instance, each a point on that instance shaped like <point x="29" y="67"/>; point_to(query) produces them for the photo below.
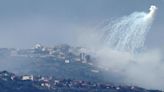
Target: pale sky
<point x="26" y="22"/>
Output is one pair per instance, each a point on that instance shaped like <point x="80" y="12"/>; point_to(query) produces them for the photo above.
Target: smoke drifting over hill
<point x="119" y="48"/>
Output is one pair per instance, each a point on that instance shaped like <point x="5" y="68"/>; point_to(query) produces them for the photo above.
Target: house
<point x="28" y="77"/>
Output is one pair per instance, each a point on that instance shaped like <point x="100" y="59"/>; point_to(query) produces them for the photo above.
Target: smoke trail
<point x="152" y="10"/>
<point x="128" y="33"/>
<point x="121" y="39"/>
<point x="117" y="47"/>
<point x="114" y="46"/>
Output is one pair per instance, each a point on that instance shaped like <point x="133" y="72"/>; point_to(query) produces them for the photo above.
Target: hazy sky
<point x="49" y="22"/>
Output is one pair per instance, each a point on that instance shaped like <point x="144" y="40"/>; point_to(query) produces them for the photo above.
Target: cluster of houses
<point x="52" y="83"/>
<point x="64" y="52"/>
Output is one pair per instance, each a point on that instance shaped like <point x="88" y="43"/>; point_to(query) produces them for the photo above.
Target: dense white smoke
<point x="128" y="33"/>
<point x="152" y="11"/>
<point x="119" y="48"/>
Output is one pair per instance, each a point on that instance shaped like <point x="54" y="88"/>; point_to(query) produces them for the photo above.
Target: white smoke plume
<point x="119" y="48"/>
<point x="152" y="9"/>
<point x="144" y="70"/>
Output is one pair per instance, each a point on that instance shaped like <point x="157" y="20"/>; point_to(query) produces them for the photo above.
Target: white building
<point x="46" y="85"/>
<point x="66" y="61"/>
<point x="26" y="77"/>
